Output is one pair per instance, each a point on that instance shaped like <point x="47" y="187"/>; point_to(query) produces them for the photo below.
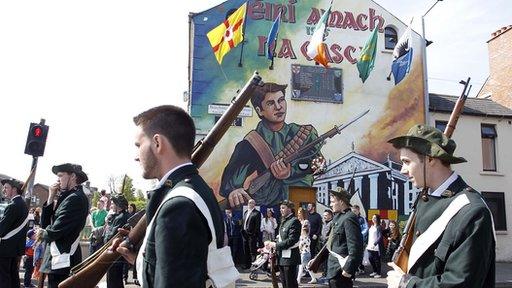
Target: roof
<point x="472" y="106"/>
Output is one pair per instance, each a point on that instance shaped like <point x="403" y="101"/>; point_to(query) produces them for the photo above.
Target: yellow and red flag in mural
<point x="228" y="34"/>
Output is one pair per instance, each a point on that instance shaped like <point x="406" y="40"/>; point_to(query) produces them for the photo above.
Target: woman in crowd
<point x="393" y="240"/>
<point x="305" y="252"/>
<point x="374" y="240"/>
<point x="268" y="226"/>
<point x="302" y="215"/>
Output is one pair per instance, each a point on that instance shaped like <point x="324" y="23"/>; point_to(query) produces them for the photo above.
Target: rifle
<point x="88" y="273"/>
<point x="401" y="255"/>
<point x="260" y="180"/>
<point x="273" y="266"/>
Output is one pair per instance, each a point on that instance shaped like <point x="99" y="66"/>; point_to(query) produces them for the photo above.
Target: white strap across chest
<point x="434" y="231"/>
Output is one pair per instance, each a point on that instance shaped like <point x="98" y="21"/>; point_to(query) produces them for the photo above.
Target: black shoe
<point x="136" y="282"/>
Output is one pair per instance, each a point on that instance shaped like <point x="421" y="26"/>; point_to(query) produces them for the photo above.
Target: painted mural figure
<point x="264" y="148"/>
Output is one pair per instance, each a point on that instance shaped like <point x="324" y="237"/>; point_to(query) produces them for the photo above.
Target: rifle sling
<point x="265" y="153"/>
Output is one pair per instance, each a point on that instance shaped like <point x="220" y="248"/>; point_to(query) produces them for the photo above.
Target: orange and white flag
<point x="316" y="47"/>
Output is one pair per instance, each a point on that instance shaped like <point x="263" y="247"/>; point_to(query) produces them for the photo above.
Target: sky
<point x="88" y="67"/>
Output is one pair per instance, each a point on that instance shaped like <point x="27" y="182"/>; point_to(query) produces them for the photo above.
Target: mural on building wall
<point x="311" y="100"/>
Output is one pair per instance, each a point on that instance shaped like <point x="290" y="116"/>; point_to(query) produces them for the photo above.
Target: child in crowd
<point x="28" y="263"/>
<point x="305" y="252"/>
<point x="38" y="252"/>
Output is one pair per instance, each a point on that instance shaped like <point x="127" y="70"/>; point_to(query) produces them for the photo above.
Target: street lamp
<point x="424" y="52"/>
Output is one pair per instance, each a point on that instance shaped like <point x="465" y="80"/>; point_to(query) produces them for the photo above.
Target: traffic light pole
<point x="30" y="184"/>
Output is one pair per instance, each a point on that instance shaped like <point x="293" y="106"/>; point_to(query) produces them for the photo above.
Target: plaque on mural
<point x="316" y="83"/>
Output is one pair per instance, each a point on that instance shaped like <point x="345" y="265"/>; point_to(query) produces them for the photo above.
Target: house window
<point x="496" y="203"/>
<point x="390" y="38"/>
<point x="441" y="125"/>
<point x="489" y="147"/>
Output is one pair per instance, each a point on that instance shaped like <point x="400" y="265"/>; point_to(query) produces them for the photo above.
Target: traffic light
<point x="36" y="139"/>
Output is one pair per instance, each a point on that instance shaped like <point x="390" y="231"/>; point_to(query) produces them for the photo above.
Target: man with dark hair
<point x="344" y="241"/>
<point x="175" y="248"/>
<point x="265" y="148"/>
<point x="287" y="245"/>
<point x="453" y="241"/>
<point x="63" y="218"/>
<point x="13" y="228"/>
<point x="315" y="230"/>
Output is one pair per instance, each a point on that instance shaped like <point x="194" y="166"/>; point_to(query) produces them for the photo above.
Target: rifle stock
<point x="319" y="259"/>
<point x="91" y="271"/>
<point x="273" y="266"/>
<point x="401" y="255"/>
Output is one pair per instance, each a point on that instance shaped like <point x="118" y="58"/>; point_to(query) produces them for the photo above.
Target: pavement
<point x="503" y="279"/>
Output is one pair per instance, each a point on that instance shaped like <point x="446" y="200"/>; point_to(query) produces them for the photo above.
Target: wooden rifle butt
<point x="319" y="259"/>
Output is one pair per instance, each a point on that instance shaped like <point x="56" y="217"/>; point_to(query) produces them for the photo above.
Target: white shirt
<point x="249" y="211"/>
<point x="269" y="226"/>
<point x="162" y="181"/>
<point x="445" y="185"/>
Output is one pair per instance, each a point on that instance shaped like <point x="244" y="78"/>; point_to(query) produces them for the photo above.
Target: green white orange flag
<point x="316" y="47"/>
<point x="228" y="34"/>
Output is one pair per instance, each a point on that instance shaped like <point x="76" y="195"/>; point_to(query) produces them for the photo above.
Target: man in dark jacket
<point x="63" y="218"/>
<point x="287" y="245"/>
<point x="250" y="232"/>
<point x="344" y="241"/>
<point x="176" y="250"/>
<point x="457" y="252"/>
<point x="116" y="221"/>
<point x="315" y="230"/>
<point x="12" y="233"/>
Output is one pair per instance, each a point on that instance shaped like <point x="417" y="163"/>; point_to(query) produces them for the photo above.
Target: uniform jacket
<point x="14" y="215"/>
<point x="63" y="225"/>
<point x="346" y="241"/>
<point x="177" y="245"/>
<point x="289" y="232"/>
<point x="464" y="255"/>
<point x="253" y="223"/>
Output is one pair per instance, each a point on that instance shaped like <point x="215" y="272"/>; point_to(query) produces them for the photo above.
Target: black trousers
<point x="250" y="249"/>
<point x="9" y="270"/>
<point x="340" y="281"/>
<point x="374" y="258"/>
<point x="55" y="279"/>
<point x="313" y="247"/>
<point x="115" y="275"/>
<point x="289" y="276"/>
<point x="29" y="268"/>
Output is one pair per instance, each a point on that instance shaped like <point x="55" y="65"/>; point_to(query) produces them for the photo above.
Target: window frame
<point x="498" y="212"/>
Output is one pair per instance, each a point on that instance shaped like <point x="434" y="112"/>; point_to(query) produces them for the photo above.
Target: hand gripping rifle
<point x="401" y="255"/>
<point x="88" y="273"/>
<point x="260" y="180"/>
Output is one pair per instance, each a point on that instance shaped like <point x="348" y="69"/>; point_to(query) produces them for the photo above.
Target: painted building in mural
<point x="314" y="99"/>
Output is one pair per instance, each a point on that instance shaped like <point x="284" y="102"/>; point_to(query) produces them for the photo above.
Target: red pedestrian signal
<point x="36" y="139"/>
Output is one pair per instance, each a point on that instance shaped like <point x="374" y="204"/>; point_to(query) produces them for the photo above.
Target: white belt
<point x="15" y="231"/>
<point x="62" y="260"/>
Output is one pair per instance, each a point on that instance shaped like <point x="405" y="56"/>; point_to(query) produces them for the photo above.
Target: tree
<point x="127" y="188"/>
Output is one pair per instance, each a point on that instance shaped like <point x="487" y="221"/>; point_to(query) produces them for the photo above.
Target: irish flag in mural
<point x="316" y="47"/>
<point x="228" y="34"/>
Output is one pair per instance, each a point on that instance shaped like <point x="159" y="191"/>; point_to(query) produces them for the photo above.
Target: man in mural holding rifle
<point x="458" y="249"/>
<point x="265" y="148"/>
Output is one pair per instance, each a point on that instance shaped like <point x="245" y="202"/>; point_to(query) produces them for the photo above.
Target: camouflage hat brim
<point x="425" y="147"/>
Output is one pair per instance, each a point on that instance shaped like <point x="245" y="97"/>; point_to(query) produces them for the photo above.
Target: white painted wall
<point x="468" y="138"/>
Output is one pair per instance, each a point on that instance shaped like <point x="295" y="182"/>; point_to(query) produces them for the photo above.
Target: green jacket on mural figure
<point x="261" y="149"/>
<point x="289" y="234"/>
<point x="345" y="240"/>
<point x="454" y="241"/>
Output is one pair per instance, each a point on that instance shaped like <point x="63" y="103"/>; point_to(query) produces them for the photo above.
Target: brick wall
<point x="500" y="63"/>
